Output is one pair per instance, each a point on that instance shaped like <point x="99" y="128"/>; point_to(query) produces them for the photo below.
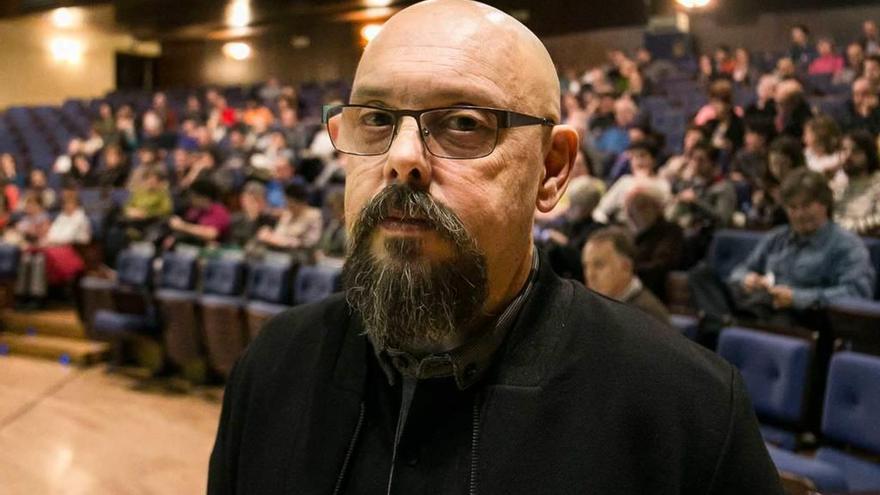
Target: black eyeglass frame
<point x="506" y="119"/>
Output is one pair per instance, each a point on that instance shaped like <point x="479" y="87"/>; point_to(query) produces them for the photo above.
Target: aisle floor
<point x="72" y="431"/>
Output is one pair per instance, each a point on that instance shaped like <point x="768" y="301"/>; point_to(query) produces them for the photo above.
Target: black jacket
<point x="586" y="395"/>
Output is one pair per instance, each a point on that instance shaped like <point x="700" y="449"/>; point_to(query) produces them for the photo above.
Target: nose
<point x="407" y="158"/>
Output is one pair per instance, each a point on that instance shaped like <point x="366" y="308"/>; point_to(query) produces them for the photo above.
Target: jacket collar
<point x="523" y="356"/>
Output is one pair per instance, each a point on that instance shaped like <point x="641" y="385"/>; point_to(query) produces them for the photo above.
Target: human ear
<point x="558" y="164"/>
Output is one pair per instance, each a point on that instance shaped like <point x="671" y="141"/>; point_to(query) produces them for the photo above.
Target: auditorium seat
<point x="729" y="248"/>
<point x="9" y="258"/>
<point x="775" y="369"/>
<point x="176" y="300"/>
<point x="856" y="321"/>
<point x="268" y="293"/>
<point x="313" y="283"/>
<point x="222" y="310"/>
<point x="848" y="459"/>
<point x="133" y="312"/>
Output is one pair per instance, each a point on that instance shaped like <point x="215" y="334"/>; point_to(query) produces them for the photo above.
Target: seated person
<point x="702" y="204"/>
<point x="658" y="241"/>
<point x="565" y="241"/>
<point x="332" y="246"/>
<point x="642" y="155"/>
<point x="29" y="234"/>
<point x="38" y="185"/>
<point x="857" y="205"/>
<point x="609" y="262"/>
<point x="676" y="167"/>
<point x="794" y="269"/>
<point x="114" y="169"/>
<point x="205" y="222"/>
<point x="298" y="229"/>
<point x="765" y="209"/>
<point x="149" y="203"/>
<point x="282" y="176"/>
<point x="254" y="215"/>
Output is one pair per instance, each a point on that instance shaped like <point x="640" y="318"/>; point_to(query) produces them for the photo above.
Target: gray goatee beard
<point x="404" y="302"/>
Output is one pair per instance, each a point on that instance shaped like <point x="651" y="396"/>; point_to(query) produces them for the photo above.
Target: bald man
<point x="456" y="361"/>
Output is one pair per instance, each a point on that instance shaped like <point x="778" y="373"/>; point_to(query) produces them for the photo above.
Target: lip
<point x="405" y="225"/>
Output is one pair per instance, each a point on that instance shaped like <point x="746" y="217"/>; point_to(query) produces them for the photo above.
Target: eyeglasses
<point x="459" y="132"/>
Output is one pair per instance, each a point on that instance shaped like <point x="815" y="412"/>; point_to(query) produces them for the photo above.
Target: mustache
<point x="404" y="202"/>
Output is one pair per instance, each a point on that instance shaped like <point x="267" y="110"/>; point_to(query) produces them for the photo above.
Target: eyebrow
<point x="450" y="95"/>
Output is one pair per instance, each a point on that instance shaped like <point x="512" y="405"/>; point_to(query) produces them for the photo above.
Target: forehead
<point x="445" y="62"/>
<point x="598" y="250"/>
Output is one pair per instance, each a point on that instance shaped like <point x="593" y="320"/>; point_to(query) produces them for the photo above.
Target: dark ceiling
<point x="170" y="19"/>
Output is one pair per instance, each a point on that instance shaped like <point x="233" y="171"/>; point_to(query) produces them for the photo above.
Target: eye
<point x="375" y="118"/>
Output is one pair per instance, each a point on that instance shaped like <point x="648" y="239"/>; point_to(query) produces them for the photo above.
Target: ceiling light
<point x="66" y="17"/>
<point x="378" y="3"/>
<point x="370" y="31"/>
<point x="66" y="50"/>
<point x="238" y="13"/>
<point x="693" y="4"/>
<point x="237" y="50"/>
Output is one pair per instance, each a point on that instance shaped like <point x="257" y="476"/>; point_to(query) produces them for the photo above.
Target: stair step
<point x="63" y="322"/>
<point x="73" y="351"/>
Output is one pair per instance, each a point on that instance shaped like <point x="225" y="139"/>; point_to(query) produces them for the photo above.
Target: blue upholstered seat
<point x="850" y="418"/>
<point x="9" y="257"/>
<point x="775" y="369"/>
<point x="731" y="247"/>
<point x="687" y="324"/>
<point x="314" y="283"/>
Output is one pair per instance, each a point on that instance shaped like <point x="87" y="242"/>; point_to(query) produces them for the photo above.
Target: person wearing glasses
<point x="456" y="361"/>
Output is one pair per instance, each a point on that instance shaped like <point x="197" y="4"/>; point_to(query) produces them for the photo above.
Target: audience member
<point x="566" y="239"/>
<point x="857" y="205"/>
<point x="862" y="111"/>
<point x="701" y="204"/>
<point x="801" y="51"/>
<point x="822" y="147"/>
<point x="609" y="264"/>
<point x="332" y="246"/>
<point x="658" y="241"/>
<point x="794" y="269"/>
<point x="726" y="129"/>
<point x="252" y="218"/>
<point x="827" y="61"/>
<point x="204" y="223"/>
<point x="676" y="167"/>
<point x="854" y="66"/>
<point x="30" y="234"/>
<point x="766" y="208"/>
<point x="870" y="39"/>
<point x="793" y="111"/>
<point x="298" y="229"/>
<point x="113" y="171"/>
<point x="642" y="155"/>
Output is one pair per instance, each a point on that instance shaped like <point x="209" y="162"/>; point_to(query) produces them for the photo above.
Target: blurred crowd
<point x="658" y="173"/>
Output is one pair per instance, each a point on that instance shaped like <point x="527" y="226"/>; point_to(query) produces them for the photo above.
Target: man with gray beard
<point x="456" y="361"/>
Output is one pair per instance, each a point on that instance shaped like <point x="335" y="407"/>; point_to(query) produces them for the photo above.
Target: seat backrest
<point x="731" y="247"/>
<point x="775" y="369"/>
<point x="9" y="256"/>
<point x="224" y="277"/>
<point x="873" y="246"/>
<point x="269" y="282"/>
<point x="178" y="271"/>
<point x="314" y="283"/>
<point x="134" y="268"/>
<point x="852" y="401"/>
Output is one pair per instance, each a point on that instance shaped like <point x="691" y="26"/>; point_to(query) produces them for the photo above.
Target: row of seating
<point x="775" y="369"/>
<point x="850" y="319"/>
<point x="201" y="311"/>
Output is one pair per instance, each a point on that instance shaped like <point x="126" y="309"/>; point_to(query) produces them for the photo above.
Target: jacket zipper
<point x="406" y="398"/>
<point x="351" y="446"/>
<point x="475" y="446"/>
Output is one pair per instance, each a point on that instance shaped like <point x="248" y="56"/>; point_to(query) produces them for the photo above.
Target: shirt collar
<point x="466" y="363"/>
<point x="815" y="239"/>
<point x="632" y="290"/>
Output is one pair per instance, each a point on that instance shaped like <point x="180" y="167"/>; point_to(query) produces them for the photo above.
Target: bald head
<point x="468" y="42"/>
